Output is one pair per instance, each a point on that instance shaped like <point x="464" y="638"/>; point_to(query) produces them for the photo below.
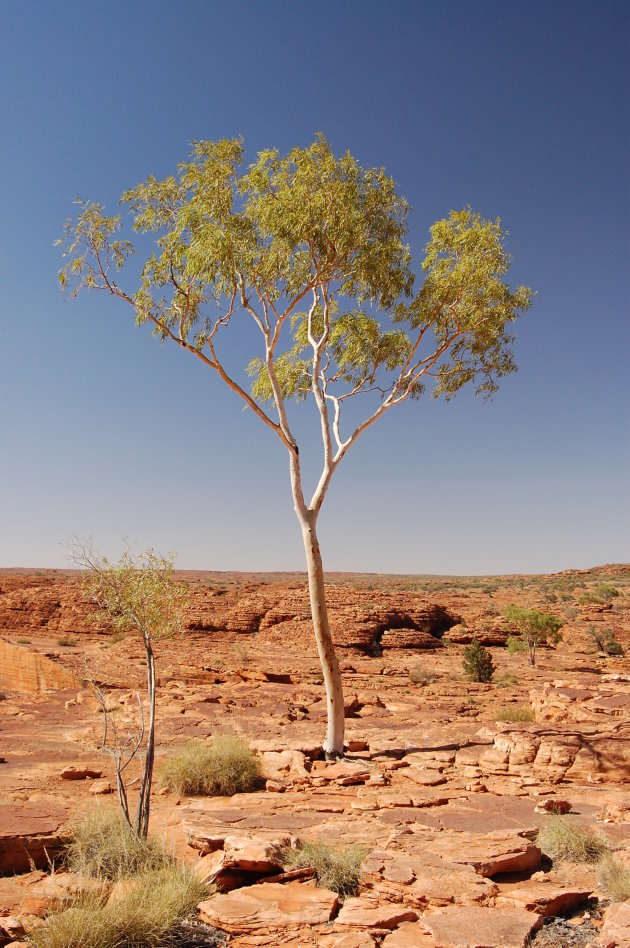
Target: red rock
<point x="489" y="855"/>
<point x="369" y="913"/>
<point x="29" y="836"/>
<point x="269" y="907"/>
<point x="546" y="898"/>
<point x="80" y="773"/>
<point x="409" y="935"/>
<point x="477" y="927"/>
<point x="615" y="932"/>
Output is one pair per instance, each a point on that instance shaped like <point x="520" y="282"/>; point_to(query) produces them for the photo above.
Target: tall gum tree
<point x="311" y="249"/>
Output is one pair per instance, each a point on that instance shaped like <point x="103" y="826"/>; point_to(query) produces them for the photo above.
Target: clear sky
<point x="519" y="109"/>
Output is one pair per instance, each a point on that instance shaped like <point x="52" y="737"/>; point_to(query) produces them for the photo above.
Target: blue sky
<point x="518" y="109"/>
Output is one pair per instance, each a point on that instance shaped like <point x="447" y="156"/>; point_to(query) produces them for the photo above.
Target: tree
<point x="136" y="594"/>
<point x="477" y="662"/>
<point x="536" y="628"/>
<point x="311" y="249"/>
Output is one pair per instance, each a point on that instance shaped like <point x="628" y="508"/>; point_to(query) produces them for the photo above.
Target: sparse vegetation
<point x="104" y="847"/>
<point x="514" y="713"/>
<point x="69" y="643"/>
<point x="506" y="680"/>
<point x="561" y="838"/>
<point x="23" y="641"/>
<point x="535" y="628"/>
<point x="222" y="768"/>
<point x="420" y="676"/>
<point x="336" y="869"/>
<point x="606" y="591"/>
<point x="614" y="878"/>
<point x="515" y="645"/>
<point x="605" y="641"/>
<point x="146" y="915"/>
<point x="477" y="662"/>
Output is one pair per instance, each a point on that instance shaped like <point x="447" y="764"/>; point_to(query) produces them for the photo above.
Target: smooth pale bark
<point x="333" y="743"/>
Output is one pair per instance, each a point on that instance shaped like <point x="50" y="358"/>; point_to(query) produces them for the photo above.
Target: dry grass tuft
<point x="514" y="713"/>
<point x="336" y="869"/>
<point x="562" y="839"/>
<point x="222" y="768"/>
<point x="146" y="916"/>
<point x="614" y="878"/>
<point x="103" y="847"/>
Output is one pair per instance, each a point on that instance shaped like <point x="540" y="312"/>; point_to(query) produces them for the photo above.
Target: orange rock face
<point x="443" y="785"/>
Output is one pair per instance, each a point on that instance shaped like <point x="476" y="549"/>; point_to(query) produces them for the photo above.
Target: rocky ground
<point x="445" y="798"/>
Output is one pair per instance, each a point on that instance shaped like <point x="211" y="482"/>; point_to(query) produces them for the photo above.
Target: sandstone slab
<point x="29" y="835"/>
<point x="269" y="907"/>
<point x="473" y="927"/>
<point x="615" y="931"/>
<point x="372" y="913"/>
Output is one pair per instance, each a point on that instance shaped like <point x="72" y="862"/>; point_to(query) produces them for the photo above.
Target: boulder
<point x="615" y="932"/>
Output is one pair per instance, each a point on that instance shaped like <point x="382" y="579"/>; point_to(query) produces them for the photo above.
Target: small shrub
<point x="23" y="641"/>
<point x="614" y="878"/>
<point x="590" y="599"/>
<point x="477" y="662"/>
<point x="222" y="768"/>
<point x="336" y="869"/>
<point x="515" y="645"/>
<point x="514" y="713"/>
<point x="146" y="916"/>
<point x="65" y="641"/>
<point x="561" y="838"/>
<point x="418" y="676"/>
<point x="505" y="680"/>
<point x="605" y="641"/>
<point x="606" y="591"/>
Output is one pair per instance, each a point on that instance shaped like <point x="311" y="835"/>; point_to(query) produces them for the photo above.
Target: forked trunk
<point x="333" y="744"/>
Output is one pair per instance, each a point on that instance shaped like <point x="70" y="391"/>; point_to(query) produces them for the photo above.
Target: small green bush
<point x="103" y="847"/>
<point x="336" y="869"/>
<point x="606" y="591"/>
<point x="477" y="662"/>
<point x="66" y="641"/>
<point x="222" y="768"/>
<point x="614" y="878"/>
<point x="560" y="838"/>
<point x="514" y="713"/>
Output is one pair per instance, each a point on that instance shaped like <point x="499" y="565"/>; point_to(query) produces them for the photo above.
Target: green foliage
<point x="336" y="869"/>
<point x="104" y="847"/>
<point x="477" y="662"/>
<point x="222" y="768"/>
<point x="614" y="878"/>
<point x="233" y="244"/>
<point x="561" y="838"/>
<point x="136" y="593"/>
<point x="606" y="591"/>
<point x="536" y="628"/>
<point x="605" y="641"/>
<point x="515" y="645"/>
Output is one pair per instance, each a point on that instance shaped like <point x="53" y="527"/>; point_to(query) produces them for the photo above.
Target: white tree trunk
<point x="333" y="744"/>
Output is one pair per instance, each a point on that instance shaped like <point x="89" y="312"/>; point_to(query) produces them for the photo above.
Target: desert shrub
<point x="226" y="766"/>
<point x="145" y="916"/>
<point x="23" y="641"/>
<point x="590" y="599"/>
<point x="419" y="676"/>
<point x="66" y="641"/>
<point x="614" y="878"/>
<point x="515" y="645"/>
<point x="104" y="847"/>
<point x="605" y="641"/>
<point x="514" y="713"/>
<point x="477" y="662"/>
<point x="571" y="612"/>
<point x="561" y="838"/>
<point x="336" y="869"/>
<point x="606" y="591"/>
<point x="505" y="680"/>
<point x="535" y="627"/>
